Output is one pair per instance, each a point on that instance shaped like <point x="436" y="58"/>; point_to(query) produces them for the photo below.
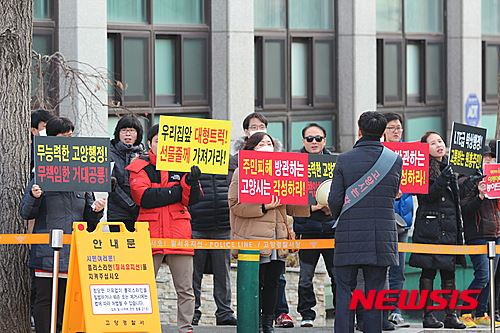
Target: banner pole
<point x="56" y="243"/>
<point x="491" y="258"/>
<point x="248" y="291"/>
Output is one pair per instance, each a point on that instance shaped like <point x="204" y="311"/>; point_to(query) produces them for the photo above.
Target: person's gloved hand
<point x="447" y="172"/>
<point x="193" y="176"/>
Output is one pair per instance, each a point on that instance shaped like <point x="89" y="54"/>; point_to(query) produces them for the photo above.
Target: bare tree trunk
<point x="15" y="61"/>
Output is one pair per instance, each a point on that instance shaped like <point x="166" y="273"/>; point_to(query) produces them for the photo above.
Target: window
<point x="295" y="63"/>
<point x="490" y="60"/>
<point x="159" y="50"/>
<point x="43" y="43"/>
<point x="127" y="11"/>
<point x="178" y="12"/>
<point x="411" y="68"/>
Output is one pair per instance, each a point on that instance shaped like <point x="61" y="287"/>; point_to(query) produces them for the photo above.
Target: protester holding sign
<point x="263" y="221"/>
<point x="163" y="197"/>
<point x="125" y="146"/>
<point x="365" y="183"/>
<point x="253" y="123"/>
<point x="481" y="218"/>
<point x="318" y="225"/>
<point x="438" y="221"/>
<point x="54" y="210"/>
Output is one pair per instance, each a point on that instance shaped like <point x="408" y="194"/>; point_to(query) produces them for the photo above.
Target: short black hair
<point x="129" y="121"/>
<point x="59" y="125"/>
<point x="260" y="116"/>
<point x="372" y="123"/>
<point x="153" y="131"/>
<point x="40" y="115"/>
<point x="254" y="140"/>
<point x="391" y="116"/>
<point x="313" y="125"/>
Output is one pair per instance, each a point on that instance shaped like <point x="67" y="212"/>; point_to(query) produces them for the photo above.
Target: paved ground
<point x="415" y="328"/>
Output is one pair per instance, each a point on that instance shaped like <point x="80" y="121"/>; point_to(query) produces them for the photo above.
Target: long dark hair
<point x="254" y="140"/>
<point x="435" y="166"/>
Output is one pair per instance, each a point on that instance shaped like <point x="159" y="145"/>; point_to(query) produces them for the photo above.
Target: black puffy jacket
<point x="211" y="213"/>
<point x="121" y="207"/>
<point x="438" y="221"/>
<point x="481" y="217"/>
<point x="318" y="225"/>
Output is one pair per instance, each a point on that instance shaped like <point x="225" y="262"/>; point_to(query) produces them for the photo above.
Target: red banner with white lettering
<point x="492" y="180"/>
<point x="264" y="175"/>
<point x="415" y="173"/>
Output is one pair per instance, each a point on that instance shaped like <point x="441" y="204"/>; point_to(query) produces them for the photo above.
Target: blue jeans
<point x="481" y="276"/>
<point x="282" y="305"/>
<point x="397" y="273"/>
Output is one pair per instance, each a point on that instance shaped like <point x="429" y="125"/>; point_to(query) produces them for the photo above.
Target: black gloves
<point x="193" y="177"/>
<point x="476" y="177"/>
<point x="447" y="172"/>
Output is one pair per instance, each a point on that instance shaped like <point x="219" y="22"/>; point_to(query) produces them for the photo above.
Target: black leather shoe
<point x="431" y="322"/>
<point x="196" y="318"/>
<point x="451" y="321"/>
<point x="229" y="321"/>
<point x="387" y="325"/>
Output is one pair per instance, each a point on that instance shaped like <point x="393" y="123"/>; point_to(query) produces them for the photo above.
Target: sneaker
<point x="307" y="323"/>
<point x="485" y="321"/>
<point x="284" y="321"/>
<point x="396" y="318"/>
<point x="467" y="320"/>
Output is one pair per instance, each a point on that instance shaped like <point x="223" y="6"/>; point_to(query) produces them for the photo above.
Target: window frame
<point x="488" y="42"/>
<point x="48" y="27"/>
<point x="423" y="104"/>
<point x="177" y="104"/>
<point x="310" y="108"/>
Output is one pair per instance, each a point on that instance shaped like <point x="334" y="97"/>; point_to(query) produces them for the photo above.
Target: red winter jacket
<point x="163" y="197"/>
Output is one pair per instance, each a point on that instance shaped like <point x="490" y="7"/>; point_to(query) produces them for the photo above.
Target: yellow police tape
<point x="213" y="244"/>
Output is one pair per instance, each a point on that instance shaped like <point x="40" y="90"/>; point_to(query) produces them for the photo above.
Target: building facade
<point x="296" y="61"/>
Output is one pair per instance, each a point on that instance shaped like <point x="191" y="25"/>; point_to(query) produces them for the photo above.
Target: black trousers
<point x="43" y="303"/>
<point x="346" y="278"/>
<point x="269" y="275"/>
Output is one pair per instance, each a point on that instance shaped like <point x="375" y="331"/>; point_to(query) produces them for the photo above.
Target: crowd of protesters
<point x="194" y="205"/>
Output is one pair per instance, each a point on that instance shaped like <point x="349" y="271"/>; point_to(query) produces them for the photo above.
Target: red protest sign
<point x="492" y="180"/>
<point x="415" y="173"/>
<point x="263" y="175"/>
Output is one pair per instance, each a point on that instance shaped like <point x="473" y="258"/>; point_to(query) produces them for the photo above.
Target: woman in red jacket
<point x="163" y="197"/>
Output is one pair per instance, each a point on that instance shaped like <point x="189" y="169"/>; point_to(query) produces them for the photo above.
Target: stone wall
<point x="167" y="297"/>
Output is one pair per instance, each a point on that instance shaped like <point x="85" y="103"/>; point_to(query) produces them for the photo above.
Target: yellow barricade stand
<point x="111" y="284"/>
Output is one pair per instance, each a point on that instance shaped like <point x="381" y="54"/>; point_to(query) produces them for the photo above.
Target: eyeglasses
<point x="128" y="130"/>
<point x="394" y="129"/>
<point x="257" y="127"/>
<point x="317" y="138"/>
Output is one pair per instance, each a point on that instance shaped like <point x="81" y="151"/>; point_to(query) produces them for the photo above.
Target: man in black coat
<point x="210" y="220"/>
<point x="318" y="225"/>
<point x="366" y="235"/>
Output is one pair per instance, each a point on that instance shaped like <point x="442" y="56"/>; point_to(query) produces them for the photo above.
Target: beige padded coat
<point x="248" y="221"/>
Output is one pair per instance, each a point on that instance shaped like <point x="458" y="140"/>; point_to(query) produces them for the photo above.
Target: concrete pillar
<point x="463" y="56"/>
<point x="232" y="61"/>
<point x="82" y="37"/>
<point x="357" y="65"/>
